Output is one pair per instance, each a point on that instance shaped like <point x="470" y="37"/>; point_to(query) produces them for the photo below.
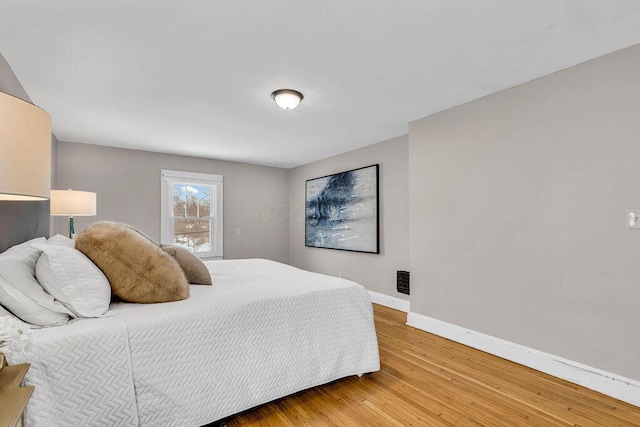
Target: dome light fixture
<point x="287" y="99"/>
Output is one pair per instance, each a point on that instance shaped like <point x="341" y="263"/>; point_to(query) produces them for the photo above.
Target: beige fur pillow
<point x="137" y="269"/>
<point x="191" y="265"/>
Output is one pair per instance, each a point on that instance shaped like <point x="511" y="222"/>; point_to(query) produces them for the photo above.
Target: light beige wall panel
<point x="376" y="272"/>
<point x="518" y="204"/>
<point x="127" y="183"/>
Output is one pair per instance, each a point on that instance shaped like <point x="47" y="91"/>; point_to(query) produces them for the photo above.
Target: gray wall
<point x="375" y="272"/>
<point x="127" y="183"/>
<point x="9" y="83"/>
<point x="518" y="207"/>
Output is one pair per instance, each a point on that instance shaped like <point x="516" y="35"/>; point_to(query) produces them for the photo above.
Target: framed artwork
<point x="341" y="211"/>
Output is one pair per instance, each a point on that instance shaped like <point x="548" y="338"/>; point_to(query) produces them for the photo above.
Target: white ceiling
<point x="195" y="77"/>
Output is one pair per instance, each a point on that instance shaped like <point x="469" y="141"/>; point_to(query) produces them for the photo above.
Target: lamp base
<point x="72" y="229"/>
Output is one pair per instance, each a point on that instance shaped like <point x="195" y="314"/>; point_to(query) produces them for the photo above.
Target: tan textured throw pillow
<point x="137" y="269"/>
<point x="195" y="270"/>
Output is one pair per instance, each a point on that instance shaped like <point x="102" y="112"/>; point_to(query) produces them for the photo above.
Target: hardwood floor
<point x="426" y="380"/>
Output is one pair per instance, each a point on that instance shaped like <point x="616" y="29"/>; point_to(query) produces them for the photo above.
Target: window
<point x="192" y="212"/>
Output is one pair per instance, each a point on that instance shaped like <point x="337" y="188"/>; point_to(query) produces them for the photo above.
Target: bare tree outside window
<point x="192" y="212"/>
<point x="192" y="216"/>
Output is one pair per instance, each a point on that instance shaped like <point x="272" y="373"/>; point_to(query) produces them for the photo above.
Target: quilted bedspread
<point x="262" y="331"/>
<point x="82" y="374"/>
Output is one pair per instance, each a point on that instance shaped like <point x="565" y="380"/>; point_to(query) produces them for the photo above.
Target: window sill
<point x="209" y="257"/>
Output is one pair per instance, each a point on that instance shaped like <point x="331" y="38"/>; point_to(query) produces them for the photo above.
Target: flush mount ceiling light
<point x="287" y="99"/>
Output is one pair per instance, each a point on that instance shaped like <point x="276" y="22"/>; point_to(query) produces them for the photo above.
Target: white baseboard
<point x="389" y="301"/>
<point x="613" y="385"/>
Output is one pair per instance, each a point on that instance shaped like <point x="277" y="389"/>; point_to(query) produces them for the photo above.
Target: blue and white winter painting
<point x="342" y="211"/>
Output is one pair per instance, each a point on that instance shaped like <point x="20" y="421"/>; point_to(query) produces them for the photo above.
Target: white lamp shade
<point x="25" y="150"/>
<point x="287" y="99"/>
<point x="73" y="203"/>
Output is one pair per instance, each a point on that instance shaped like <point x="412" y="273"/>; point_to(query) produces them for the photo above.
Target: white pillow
<point x="24" y="250"/>
<point x="5" y="313"/>
<point x="61" y="240"/>
<point x="20" y="292"/>
<point x="73" y="279"/>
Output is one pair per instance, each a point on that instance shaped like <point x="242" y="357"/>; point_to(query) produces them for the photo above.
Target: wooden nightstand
<point x="13" y="398"/>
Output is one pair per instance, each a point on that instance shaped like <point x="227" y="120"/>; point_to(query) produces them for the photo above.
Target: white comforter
<point x="262" y="331"/>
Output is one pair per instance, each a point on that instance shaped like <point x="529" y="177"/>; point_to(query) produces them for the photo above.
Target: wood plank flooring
<point x="426" y="380"/>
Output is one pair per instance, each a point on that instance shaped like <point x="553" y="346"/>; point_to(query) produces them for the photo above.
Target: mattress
<point x="262" y="331"/>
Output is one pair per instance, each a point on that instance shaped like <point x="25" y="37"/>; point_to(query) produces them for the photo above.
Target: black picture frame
<point x="342" y="211"/>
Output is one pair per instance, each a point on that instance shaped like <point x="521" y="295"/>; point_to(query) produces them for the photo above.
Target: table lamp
<point x="72" y="203"/>
<point x="25" y="150"/>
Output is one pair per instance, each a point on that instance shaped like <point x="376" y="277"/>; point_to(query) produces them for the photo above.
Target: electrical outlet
<point x="633" y="218"/>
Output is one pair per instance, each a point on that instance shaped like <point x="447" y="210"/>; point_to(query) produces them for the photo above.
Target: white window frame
<point x="170" y="177"/>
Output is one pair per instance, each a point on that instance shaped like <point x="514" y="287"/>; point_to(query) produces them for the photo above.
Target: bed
<point x="264" y="330"/>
